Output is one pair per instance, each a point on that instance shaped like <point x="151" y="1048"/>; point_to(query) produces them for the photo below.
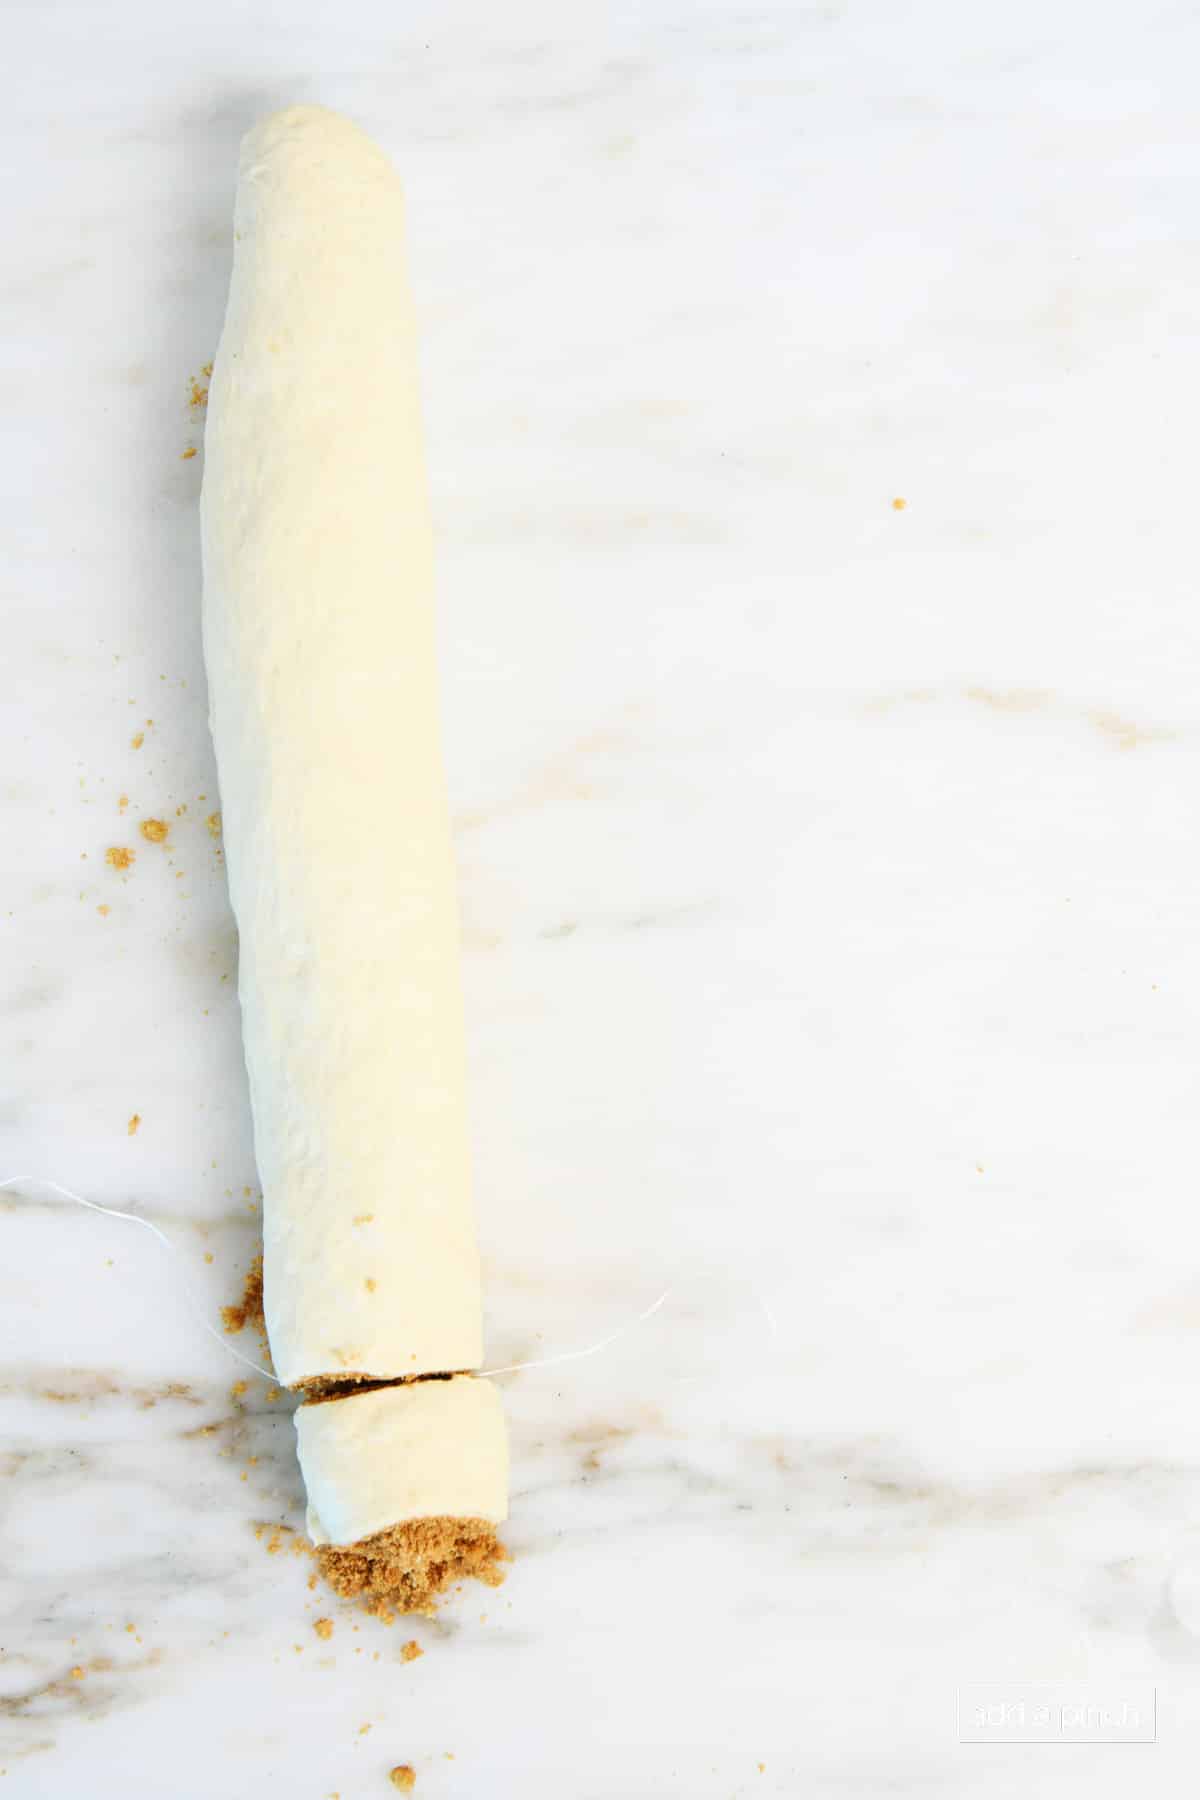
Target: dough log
<point x="320" y="647"/>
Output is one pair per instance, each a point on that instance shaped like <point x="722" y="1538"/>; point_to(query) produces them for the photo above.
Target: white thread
<point x="546" y="1362"/>
<point x="540" y="1362"/>
<point x="111" y="1212"/>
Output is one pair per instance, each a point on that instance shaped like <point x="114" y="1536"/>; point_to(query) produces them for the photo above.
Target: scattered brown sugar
<point x="369" y="1285"/>
<point x="123" y="802"/>
<point x="188" y="453"/>
<point x="899" y="504"/>
<point x="249" y="1309"/>
<point x="154" y="830"/>
<point x="138" y="739"/>
<point x="405" y="1568"/>
<point x="402" y="1777"/>
<point x="238" y="1389"/>
<point x="133" y="1124"/>
<point x="213" y="822"/>
<point x="117" y="857"/>
<point x="77" y="1674"/>
<point x="409" y="1652"/>
<point x="197" y="395"/>
<point x="323" y="1628"/>
<point x="104" y="911"/>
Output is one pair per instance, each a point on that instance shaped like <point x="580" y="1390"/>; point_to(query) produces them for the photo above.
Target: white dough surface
<point x="319" y="645"/>
<point x="422" y="1450"/>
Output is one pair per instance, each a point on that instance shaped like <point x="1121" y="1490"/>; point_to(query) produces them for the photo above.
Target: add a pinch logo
<point x="1067" y="1713"/>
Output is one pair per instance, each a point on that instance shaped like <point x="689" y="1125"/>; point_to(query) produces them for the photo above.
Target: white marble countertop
<point x="829" y="878"/>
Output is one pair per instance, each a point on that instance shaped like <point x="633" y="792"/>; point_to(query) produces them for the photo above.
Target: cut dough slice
<point x="423" y="1450"/>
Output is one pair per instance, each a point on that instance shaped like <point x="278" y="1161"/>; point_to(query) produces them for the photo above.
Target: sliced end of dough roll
<point x="405" y="1487"/>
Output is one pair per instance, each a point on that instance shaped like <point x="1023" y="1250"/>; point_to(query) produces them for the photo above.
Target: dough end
<point x="406" y="1568"/>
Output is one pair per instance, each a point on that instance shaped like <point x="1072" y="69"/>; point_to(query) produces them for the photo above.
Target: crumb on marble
<point x="249" y="1309"/>
<point x="402" y="1777"/>
<point x="323" y="1628"/>
<point x="409" y="1652"/>
<point x="213" y="823"/>
<point x="188" y="453"/>
<point x="133" y="1124"/>
<point x="137" y="740"/>
<point x="104" y="911"/>
<point x="117" y="857"/>
<point x="154" y="830"/>
<point x="899" y="503"/>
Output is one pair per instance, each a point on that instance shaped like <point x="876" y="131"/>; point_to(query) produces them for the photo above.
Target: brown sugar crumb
<point x="77" y="1674"/>
<point x="197" y="395"/>
<point x="249" y="1309"/>
<point x="213" y="822"/>
<point x="323" y="1628"/>
<point x="188" y="454"/>
<point x="369" y="1285"/>
<point x="118" y="858"/>
<point x="137" y="740"/>
<point x="402" y="1777"/>
<point x="238" y="1389"/>
<point x="899" y="504"/>
<point x="123" y="802"/>
<point x="154" y="830"/>
<point x="409" y="1652"/>
<point x="405" y="1568"/>
<point x="133" y="1124"/>
<point x="363" y="1218"/>
<point x="104" y="911"/>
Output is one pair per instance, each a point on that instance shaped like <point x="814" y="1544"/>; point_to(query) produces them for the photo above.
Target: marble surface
<point x="829" y="880"/>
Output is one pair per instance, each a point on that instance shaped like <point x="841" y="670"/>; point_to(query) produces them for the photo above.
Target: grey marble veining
<point x="829" y="883"/>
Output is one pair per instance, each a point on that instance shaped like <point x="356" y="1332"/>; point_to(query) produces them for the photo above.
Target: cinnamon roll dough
<point x="319" y="643"/>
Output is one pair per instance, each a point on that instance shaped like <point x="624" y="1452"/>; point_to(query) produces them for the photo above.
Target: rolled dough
<point x="425" y="1449"/>
<point x="319" y="642"/>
